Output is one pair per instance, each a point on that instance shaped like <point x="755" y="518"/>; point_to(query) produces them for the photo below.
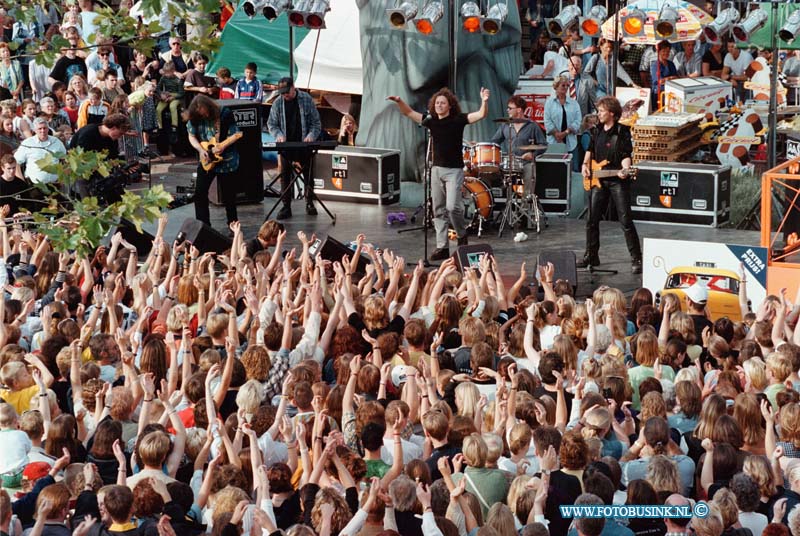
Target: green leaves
<point x="81" y="225"/>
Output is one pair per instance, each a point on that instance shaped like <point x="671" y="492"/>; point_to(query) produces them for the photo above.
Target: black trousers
<point x="288" y="160"/>
<point x="203" y="184"/>
<point x="620" y="191"/>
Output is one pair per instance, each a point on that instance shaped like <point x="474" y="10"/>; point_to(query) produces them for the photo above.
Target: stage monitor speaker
<point x="143" y="242"/>
<point x="470" y="256"/>
<point x="204" y="237"/>
<point x="330" y="249"/>
<point x="250" y="175"/>
<point x="564" y="264"/>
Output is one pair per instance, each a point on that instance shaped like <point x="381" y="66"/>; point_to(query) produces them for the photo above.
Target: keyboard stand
<point x="310" y="195"/>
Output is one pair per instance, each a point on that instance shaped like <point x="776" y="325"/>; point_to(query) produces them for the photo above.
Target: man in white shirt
<point x="734" y="66"/>
<point x="33" y="149"/>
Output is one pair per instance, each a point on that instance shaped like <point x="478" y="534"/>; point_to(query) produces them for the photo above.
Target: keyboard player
<point x="294" y="118"/>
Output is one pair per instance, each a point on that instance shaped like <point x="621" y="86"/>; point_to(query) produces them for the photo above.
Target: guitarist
<point x="610" y="141"/>
<point x="205" y="120"/>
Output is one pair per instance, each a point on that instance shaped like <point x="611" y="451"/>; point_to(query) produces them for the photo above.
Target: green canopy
<point x="763" y="37"/>
<point x="258" y="40"/>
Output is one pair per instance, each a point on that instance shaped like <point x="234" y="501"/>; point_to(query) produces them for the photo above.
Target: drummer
<point x="525" y="132"/>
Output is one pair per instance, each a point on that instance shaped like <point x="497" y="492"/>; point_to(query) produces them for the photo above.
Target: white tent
<point x="337" y="64"/>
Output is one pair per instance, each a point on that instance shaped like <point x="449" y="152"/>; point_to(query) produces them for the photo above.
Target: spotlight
<point x="667" y="22"/>
<point x="568" y="17"/>
<point x="400" y="15"/>
<point x="494" y="19"/>
<point x="431" y="14"/>
<point x="315" y="18"/>
<point x="273" y="8"/>
<point x="791" y="27"/>
<point x="592" y="23"/>
<point x="750" y="25"/>
<point x="471" y="17"/>
<point x="721" y="25"/>
<point x="297" y="14"/>
<point x="251" y="7"/>
<point x="633" y="23"/>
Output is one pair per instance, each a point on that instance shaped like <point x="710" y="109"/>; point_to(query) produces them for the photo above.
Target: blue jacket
<point x="552" y="120"/>
<point x="309" y="117"/>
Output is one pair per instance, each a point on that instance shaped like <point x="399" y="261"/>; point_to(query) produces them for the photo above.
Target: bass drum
<point x="478" y="202"/>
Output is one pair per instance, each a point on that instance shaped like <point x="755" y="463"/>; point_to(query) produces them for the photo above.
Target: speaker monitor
<point x="204" y="237"/>
<point x="564" y="264"/>
<point x="143" y="242"/>
<point x="470" y="256"/>
<point x="330" y="249"/>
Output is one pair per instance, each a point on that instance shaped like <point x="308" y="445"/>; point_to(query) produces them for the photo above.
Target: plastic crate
<point x="668" y="147"/>
<point x="662" y="133"/>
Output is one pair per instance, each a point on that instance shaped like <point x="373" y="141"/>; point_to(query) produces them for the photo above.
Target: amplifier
<point x="553" y="182"/>
<point x="682" y="194"/>
<point x="250" y="175"/>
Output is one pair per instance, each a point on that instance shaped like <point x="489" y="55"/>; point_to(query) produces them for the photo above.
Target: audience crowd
<point x="265" y="389"/>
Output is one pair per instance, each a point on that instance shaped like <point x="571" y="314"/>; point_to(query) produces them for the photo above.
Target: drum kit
<point x="486" y="167"/>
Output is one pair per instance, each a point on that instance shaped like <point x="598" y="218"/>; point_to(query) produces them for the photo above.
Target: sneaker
<point x="284" y="213"/>
<point x="440" y="254"/>
<point x="311" y="210"/>
<point x="463" y="241"/>
<point x="636" y="266"/>
<point x="588" y="261"/>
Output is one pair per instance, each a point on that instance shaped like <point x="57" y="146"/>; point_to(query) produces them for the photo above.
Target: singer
<point x="446" y="123"/>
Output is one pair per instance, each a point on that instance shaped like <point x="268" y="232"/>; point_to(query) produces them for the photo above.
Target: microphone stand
<point x="427" y="201"/>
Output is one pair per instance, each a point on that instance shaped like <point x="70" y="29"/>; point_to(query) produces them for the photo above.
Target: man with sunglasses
<point x="176" y="55"/>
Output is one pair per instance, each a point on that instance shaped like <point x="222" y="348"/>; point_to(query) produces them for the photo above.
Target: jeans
<point x="620" y="191"/>
<point x="203" y="184"/>
<point x="448" y="206"/>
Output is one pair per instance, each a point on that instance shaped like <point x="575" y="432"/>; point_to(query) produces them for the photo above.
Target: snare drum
<point x="486" y="157"/>
<point x="478" y="201"/>
<point x="511" y="164"/>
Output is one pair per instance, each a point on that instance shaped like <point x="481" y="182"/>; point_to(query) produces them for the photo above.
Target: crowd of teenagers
<point x="265" y="391"/>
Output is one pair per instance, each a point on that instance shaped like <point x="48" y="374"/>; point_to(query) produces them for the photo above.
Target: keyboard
<point x="293" y="145"/>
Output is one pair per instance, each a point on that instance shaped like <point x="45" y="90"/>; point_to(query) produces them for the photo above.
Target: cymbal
<point x="531" y="147"/>
<point x="511" y="120"/>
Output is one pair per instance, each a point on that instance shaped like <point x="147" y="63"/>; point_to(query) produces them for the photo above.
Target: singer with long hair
<point x="446" y="123"/>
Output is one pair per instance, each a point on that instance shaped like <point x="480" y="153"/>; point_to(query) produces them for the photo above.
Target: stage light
<point x="756" y="20"/>
<point x="315" y="18"/>
<point x="494" y="19"/>
<point x="471" y="17"/>
<point x="721" y="25"/>
<point x="431" y="14"/>
<point x="791" y="27"/>
<point x="633" y="23"/>
<point x="667" y="22"/>
<point x="400" y="15"/>
<point x="558" y="25"/>
<point x="251" y="7"/>
<point x="297" y="14"/>
<point x="592" y="23"/>
<point x="273" y="8"/>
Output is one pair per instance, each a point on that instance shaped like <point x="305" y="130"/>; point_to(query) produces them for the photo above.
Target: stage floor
<point x="566" y="234"/>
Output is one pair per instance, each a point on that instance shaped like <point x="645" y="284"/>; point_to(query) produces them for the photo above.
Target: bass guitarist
<point x="610" y="142"/>
<point x="205" y="122"/>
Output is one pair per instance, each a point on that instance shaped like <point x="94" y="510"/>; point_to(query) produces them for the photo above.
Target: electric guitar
<point x="599" y="173"/>
<point x="208" y="147"/>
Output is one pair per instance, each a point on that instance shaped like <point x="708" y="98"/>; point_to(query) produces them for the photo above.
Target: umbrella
<point x="691" y="20"/>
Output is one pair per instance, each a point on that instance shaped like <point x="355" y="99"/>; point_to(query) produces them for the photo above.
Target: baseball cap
<point x="285" y="85"/>
<point x="399" y="375"/>
<point x="36" y="470"/>
<point x="698" y="293"/>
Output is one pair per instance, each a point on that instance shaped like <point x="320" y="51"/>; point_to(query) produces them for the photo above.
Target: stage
<point x="567" y="234"/>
